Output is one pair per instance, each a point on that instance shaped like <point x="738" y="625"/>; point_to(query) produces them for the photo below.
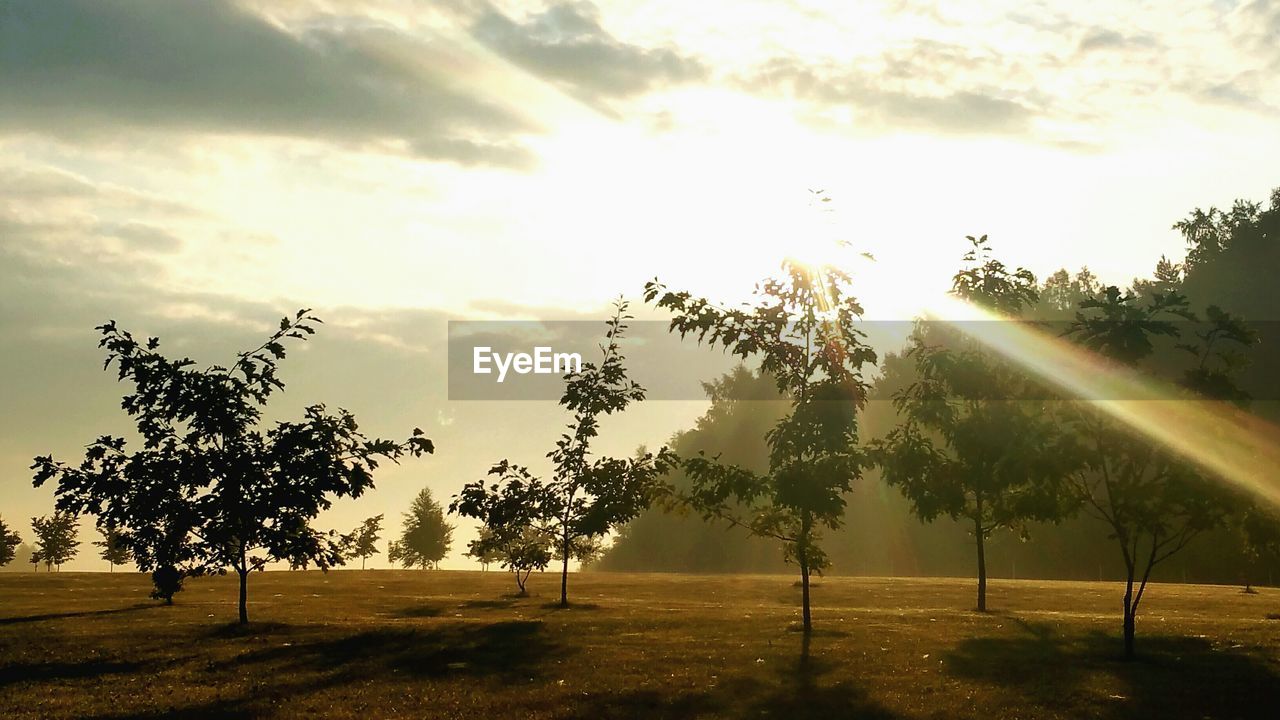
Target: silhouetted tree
<point x="1260" y="530"/>
<point x="114" y="551"/>
<point x="585" y="550"/>
<point x="426" y="537"/>
<point x="9" y="541"/>
<point x="1153" y="501"/>
<point x="56" y="541"/>
<point x="586" y="497"/>
<point x="519" y="552"/>
<point x="362" y="542"/>
<point x="803" y="328"/>
<point x="969" y="444"/>
<point x="209" y="488"/>
<point x="484" y="549"/>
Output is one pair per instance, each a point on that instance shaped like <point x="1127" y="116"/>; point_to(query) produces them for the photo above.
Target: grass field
<point x="454" y="644"/>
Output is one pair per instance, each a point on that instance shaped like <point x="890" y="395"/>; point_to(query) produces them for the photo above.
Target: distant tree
<point x="56" y="541"/>
<point x="519" y="552"/>
<point x="585" y="497"/>
<point x="114" y="551"/>
<point x="585" y="550"/>
<point x="1260" y="530"/>
<point x="803" y="328"/>
<point x="362" y="542"/>
<point x="1153" y="501"/>
<point x="210" y="488"/>
<point x="9" y="541"/>
<point x="426" y="537"/>
<point x="970" y="445"/>
<point x="484" y="549"/>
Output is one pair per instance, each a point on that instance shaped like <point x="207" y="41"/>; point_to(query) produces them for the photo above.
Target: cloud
<point x="880" y="104"/>
<point x="1105" y="39"/>
<point x="82" y="69"/>
<point x="565" y="44"/>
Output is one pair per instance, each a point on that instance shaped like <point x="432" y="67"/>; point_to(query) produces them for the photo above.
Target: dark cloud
<point x="90" y="68"/>
<point x="566" y="45"/>
<point x="1107" y="39"/>
<point x="878" y="105"/>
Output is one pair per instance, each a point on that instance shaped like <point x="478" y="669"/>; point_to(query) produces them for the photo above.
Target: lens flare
<point x="1226" y="441"/>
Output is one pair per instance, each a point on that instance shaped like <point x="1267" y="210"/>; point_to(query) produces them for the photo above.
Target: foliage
<point x="802" y="328"/>
<point x="9" y="541"/>
<point x="209" y="488"/>
<point x="484" y="549"/>
<point x="970" y="443"/>
<point x="363" y="541"/>
<point x="426" y="537"/>
<point x="585" y="497"/>
<point x="56" y="541"/>
<point x="114" y="551"/>
<point x="1153" y="501"/>
<point x="519" y="552"/>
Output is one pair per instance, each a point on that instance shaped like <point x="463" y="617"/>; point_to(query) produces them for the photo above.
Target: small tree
<point x="426" y="537"/>
<point x="519" y="552"/>
<point x="209" y="488"/>
<point x="484" y="549"/>
<point x="114" y="551"/>
<point x="9" y="541"/>
<point x="1154" y="501"/>
<point x="968" y="446"/>
<point x="362" y="542"/>
<point x="586" y="497"/>
<point x="803" y="328"/>
<point x="56" y="541"/>
<point x="585" y="550"/>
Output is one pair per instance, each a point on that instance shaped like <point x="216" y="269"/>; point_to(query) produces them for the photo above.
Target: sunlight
<point x="1233" y="444"/>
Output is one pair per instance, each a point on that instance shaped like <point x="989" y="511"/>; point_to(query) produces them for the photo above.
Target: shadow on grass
<point x="809" y="687"/>
<point x="47" y="671"/>
<point x="78" y="614"/>
<point x="1171" y="677"/>
<point x="421" y="610"/>
<point x="510" y="650"/>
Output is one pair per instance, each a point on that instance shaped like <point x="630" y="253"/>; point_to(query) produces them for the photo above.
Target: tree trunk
<point x="1129" y="621"/>
<point x="804" y="592"/>
<point x="564" y="574"/>
<point x="244" y="595"/>
<point x="802" y="555"/>
<point x="362" y="559"/>
<point x="982" y="565"/>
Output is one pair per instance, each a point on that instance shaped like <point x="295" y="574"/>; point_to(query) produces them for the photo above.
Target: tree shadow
<point x="77" y="614"/>
<point x="805" y="689"/>
<point x="1171" y="677"/>
<point x="421" y="610"/>
<point x="498" y="604"/>
<point x="227" y="631"/>
<point x="514" y="647"/>
<point x="47" y="671"/>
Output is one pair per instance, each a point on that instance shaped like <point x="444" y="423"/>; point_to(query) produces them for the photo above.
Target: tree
<point x="56" y="541"/>
<point x="803" y="329"/>
<point x="114" y="551"/>
<point x="362" y="542"/>
<point x="1153" y="501"/>
<point x="9" y="541"/>
<point x="210" y="488"/>
<point x="426" y="537"/>
<point x="970" y="444"/>
<point x="585" y="550"/>
<point x="519" y="552"/>
<point x="585" y="497"/>
<point x="484" y="549"/>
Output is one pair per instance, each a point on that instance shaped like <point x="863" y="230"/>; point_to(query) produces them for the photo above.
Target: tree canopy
<point x="208" y="487"/>
<point x="426" y="538"/>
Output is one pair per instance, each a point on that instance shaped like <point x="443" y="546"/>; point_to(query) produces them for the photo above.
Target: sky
<point x="194" y="170"/>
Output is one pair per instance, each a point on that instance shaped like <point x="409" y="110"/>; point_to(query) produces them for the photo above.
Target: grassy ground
<point x="452" y="644"/>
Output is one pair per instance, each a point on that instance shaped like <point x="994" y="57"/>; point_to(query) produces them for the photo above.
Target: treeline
<point x="962" y="431"/>
<point x="1228" y="263"/>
